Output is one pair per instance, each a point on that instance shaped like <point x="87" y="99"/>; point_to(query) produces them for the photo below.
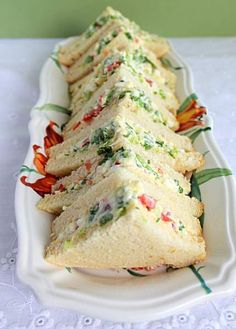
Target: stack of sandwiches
<point x="122" y="194"/>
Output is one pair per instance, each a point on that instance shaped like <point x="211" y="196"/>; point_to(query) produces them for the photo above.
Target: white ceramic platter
<point x="117" y="295"/>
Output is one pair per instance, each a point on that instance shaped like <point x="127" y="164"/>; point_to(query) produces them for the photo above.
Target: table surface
<point x="213" y="62"/>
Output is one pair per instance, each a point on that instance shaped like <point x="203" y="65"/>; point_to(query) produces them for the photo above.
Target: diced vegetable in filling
<point x="148" y="141"/>
<point x="114" y="159"/>
<point x="103" y="42"/>
<point x="139" y="64"/>
<point x="117" y="205"/>
<point x="117" y="93"/>
<point x="103" y="138"/>
<point x="99" y="23"/>
<point x="110" y="209"/>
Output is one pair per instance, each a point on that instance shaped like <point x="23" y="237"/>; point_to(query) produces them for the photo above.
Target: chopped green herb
<point x="97" y="25"/>
<point x="148" y="141"/>
<point x="123" y="94"/>
<point x="105" y="41"/>
<point x="181" y="226"/>
<point x="106" y="151"/>
<point x="105" y="218"/>
<point x="120" y="153"/>
<point x="87" y="94"/>
<point x="158" y="117"/>
<point x="130" y="130"/>
<point x="162" y="94"/>
<point x="68" y="269"/>
<point x="120" y="212"/>
<point x="142" y="100"/>
<point x="89" y="59"/>
<point x="128" y="35"/>
<point x="114" y="34"/>
<point x="92" y="212"/>
<point x="103" y="135"/>
<point x="81" y="232"/>
<point x="105" y="211"/>
<point x="120" y="201"/>
<point x="160" y="143"/>
<point x="140" y="58"/>
<point x="74" y="187"/>
<point x="142" y="163"/>
<point x="173" y="152"/>
<point x="110" y="96"/>
<point x="83" y="182"/>
<point x="124" y="153"/>
<point x="67" y="244"/>
<point x="179" y="187"/>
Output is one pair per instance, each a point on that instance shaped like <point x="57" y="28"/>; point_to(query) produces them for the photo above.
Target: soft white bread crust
<point x="54" y="203"/>
<point x="130" y="243"/>
<point x="135" y="239"/>
<point x="159" y="46"/>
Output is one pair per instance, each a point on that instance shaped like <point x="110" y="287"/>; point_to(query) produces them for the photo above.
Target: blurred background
<point x="62" y="18"/>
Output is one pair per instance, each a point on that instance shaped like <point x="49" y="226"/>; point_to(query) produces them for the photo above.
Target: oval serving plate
<point x="124" y="295"/>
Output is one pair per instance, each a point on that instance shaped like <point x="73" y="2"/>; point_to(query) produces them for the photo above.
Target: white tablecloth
<point x="213" y="61"/>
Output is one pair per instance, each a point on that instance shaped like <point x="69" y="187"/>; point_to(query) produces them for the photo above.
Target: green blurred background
<point x="62" y="18"/>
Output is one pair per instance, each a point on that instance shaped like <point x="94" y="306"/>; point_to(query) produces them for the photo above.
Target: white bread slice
<point x="159" y="46"/>
<point x="114" y="38"/>
<point x="67" y="189"/>
<point x="79" y="86"/>
<point x="72" y="153"/>
<point x="122" y="222"/>
<point x="121" y="87"/>
<point x="71" y="52"/>
<point x="140" y="63"/>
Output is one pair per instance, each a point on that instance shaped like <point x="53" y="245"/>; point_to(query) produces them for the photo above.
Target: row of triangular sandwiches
<point x="122" y="196"/>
